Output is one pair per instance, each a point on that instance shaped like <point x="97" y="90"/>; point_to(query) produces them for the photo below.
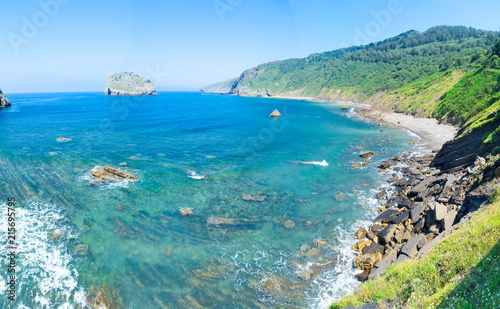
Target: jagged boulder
<point x="107" y="174"/>
<point x="275" y="114"/>
<point x="366" y="155"/>
<point x="360" y="233"/>
<point x="366" y="261"/>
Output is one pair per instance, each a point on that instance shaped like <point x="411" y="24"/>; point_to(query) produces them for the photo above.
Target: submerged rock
<point x="56" y="234"/>
<point x="119" y="207"/>
<point x="289" y="224"/>
<point x="103" y="298"/>
<point x="305" y="275"/>
<point x="356" y="165"/>
<point x="82" y="250"/>
<point x="186" y="211"/>
<point x="275" y="114"/>
<point x="340" y="197"/>
<point x="253" y="197"/>
<point x="107" y="174"/>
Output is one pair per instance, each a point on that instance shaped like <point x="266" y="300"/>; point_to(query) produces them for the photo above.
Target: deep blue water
<point x="147" y="255"/>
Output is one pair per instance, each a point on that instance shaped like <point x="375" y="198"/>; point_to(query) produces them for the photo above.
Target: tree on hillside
<point x="496" y="49"/>
<point x="486" y="63"/>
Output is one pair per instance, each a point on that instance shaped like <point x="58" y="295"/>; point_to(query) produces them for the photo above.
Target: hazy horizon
<point x="70" y="46"/>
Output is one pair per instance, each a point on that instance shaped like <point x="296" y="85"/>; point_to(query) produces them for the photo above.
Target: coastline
<point x="433" y="134"/>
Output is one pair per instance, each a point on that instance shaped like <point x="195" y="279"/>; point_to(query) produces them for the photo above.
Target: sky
<point x="182" y="45"/>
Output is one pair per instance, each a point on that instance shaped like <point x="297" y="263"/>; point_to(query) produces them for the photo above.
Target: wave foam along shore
<point x="46" y="274"/>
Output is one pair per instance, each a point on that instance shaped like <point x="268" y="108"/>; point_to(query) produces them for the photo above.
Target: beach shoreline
<point x="433" y="134"/>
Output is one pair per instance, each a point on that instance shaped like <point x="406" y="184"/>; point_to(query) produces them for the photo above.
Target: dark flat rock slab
<point x="401" y="218"/>
<point x="420" y="187"/>
<point x="381" y="266"/>
<point x="387" y="216"/>
<point x="387" y="233"/>
<point x="373" y="248"/>
<point x="410" y="249"/>
<point x="417" y="210"/>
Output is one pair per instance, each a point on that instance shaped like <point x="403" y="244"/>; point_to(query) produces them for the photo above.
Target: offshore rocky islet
<point x="4" y="102"/>
<point x="129" y="84"/>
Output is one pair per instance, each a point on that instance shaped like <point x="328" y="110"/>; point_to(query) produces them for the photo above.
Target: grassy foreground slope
<point x="472" y="252"/>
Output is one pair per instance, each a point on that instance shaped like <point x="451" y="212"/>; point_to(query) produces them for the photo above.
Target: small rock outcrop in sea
<point x="4" y="102"/>
<point x="107" y="174"/>
<point x="275" y="114"/>
<point x="345" y="108"/>
<point x="63" y="139"/>
<point x="130" y="84"/>
<point x="186" y="212"/>
<point x="366" y="155"/>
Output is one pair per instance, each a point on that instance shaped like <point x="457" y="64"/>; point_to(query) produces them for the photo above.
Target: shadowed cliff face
<point x="463" y="151"/>
<point x="4" y="102"/>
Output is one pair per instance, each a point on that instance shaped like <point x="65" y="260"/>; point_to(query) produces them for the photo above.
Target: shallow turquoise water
<point x="148" y="255"/>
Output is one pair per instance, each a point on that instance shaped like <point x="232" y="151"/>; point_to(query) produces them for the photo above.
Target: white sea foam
<point x="45" y="267"/>
<point x="322" y="163"/>
<point x="195" y="175"/>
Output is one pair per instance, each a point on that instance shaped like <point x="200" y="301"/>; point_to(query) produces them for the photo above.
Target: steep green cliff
<point x="360" y="73"/>
<point x="222" y="87"/>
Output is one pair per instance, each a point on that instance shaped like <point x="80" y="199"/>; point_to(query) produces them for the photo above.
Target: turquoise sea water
<point x="146" y="254"/>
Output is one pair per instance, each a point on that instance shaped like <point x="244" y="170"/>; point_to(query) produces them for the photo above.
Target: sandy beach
<point x="433" y="134"/>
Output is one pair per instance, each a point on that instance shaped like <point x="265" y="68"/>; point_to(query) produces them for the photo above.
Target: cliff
<point x="222" y="87"/>
<point x="4" y="102"/>
<point x="128" y="83"/>
<point x="415" y="73"/>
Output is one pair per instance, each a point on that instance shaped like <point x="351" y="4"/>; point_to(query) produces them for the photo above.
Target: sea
<point x="273" y="203"/>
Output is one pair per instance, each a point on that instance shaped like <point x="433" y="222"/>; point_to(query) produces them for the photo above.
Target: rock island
<point x="128" y="83"/>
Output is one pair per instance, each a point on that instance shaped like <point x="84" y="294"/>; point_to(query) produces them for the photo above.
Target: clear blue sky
<point x="186" y="44"/>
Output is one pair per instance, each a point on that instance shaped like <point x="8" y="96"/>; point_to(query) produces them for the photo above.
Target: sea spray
<point x="46" y="270"/>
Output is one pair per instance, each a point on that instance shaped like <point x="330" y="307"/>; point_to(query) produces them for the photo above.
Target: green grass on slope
<point x="420" y="98"/>
<point x="469" y="101"/>
<point x="472" y="250"/>
<point x="364" y="71"/>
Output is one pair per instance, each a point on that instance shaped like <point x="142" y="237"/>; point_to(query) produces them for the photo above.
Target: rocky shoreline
<point x="427" y="202"/>
<point x="4" y="102"/>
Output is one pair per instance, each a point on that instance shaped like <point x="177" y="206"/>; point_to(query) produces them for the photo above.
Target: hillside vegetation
<point x="222" y="87"/>
<point x="363" y="71"/>
<point x="449" y="73"/>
